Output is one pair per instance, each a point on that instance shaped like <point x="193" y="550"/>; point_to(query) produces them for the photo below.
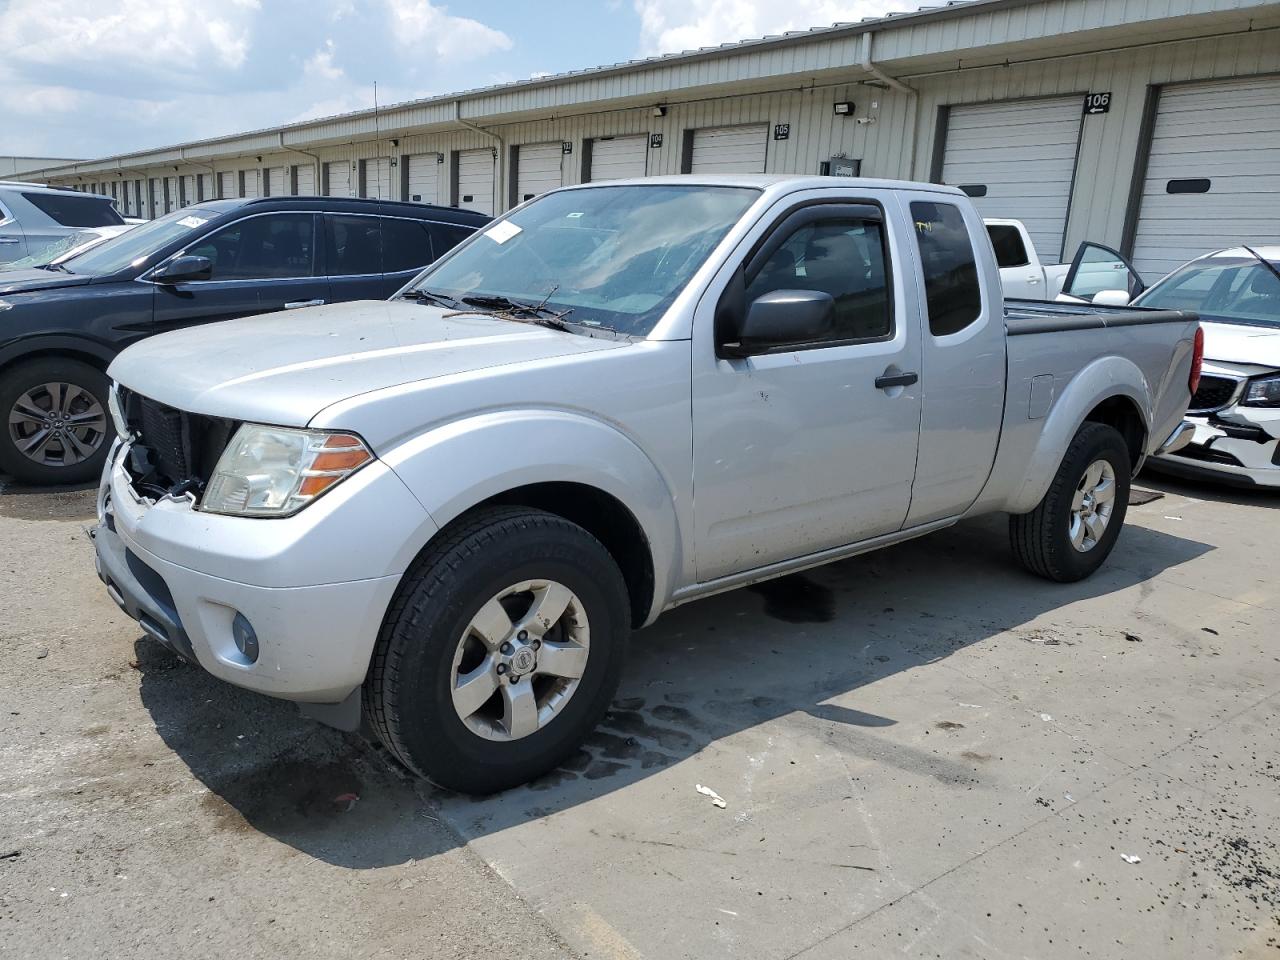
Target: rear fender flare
<point x="1100" y="380"/>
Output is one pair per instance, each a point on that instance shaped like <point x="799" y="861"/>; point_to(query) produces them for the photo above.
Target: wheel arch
<point x="573" y="466"/>
<point x="40" y="348"/>
<point x="1110" y="390"/>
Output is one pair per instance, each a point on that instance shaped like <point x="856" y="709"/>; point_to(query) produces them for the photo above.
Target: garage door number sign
<point x="1097" y="102"/>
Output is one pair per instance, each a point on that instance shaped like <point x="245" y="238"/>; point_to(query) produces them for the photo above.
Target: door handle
<point x="8" y="239"/>
<point x="303" y="303"/>
<point x="886" y="380"/>
<point x="1033" y="279"/>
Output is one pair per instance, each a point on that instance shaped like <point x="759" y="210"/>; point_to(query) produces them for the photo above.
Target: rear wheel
<point x="56" y="425"/>
<point x="1074" y="527"/>
<point x="501" y="651"/>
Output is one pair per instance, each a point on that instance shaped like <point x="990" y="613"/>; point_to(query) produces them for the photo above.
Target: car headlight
<point x="1263" y="392"/>
<point x="276" y="471"/>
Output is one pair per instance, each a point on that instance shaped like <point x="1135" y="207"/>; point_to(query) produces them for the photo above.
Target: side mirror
<point x="783" y="318"/>
<point x="184" y="269"/>
<point x="1111" y="298"/>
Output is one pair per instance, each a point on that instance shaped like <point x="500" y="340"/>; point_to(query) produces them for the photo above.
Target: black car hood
<point x="22" y="281"/>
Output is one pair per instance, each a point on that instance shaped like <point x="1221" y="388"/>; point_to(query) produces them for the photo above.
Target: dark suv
<point x="61" y="325"/>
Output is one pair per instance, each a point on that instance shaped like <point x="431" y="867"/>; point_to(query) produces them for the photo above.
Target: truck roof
<point x="785" y="182"/>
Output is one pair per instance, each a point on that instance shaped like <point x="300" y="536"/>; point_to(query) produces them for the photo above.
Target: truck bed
<point x="1022" y="317"/>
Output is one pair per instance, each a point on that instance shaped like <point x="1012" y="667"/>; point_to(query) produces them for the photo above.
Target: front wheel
<point x="56" y="425"/>
<point x="1073" y="528"/>
<point x="501" y="651"/>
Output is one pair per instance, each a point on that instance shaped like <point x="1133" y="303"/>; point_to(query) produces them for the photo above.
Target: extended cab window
<point x="273" y="247"/>
<point x="406" y="245"/>
<point x="952" y="292"/>
<point x="842" y="257"/>
<point x="355" y="246"/>
<point x="71" y="210"/>
<point x="1010" y="250"/>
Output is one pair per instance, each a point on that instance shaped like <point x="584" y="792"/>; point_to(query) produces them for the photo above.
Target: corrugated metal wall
<point x="898" y="143"/>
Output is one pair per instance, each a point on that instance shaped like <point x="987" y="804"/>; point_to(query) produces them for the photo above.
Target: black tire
<point x="1041" y="539"/>
<point x="15" y="382"/>
<point x="407" y="694"/>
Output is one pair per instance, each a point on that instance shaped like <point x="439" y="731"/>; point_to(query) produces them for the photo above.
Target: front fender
<point x="1100" y="380"/>
<point x="453" y="467"/>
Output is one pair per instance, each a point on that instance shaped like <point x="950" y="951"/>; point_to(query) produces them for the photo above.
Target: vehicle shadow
<point x="1210" y="490"/>
<point x="703" y="672"/>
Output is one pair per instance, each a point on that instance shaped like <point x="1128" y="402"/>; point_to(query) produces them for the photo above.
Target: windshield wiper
<point x="53" y="266"/>
<point x="1264" y="261"/>
<point x="427" y="296"/>
<point x="507" y="309"/>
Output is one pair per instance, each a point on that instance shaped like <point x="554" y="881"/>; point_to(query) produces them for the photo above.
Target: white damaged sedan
<point x="1236" y="410"/>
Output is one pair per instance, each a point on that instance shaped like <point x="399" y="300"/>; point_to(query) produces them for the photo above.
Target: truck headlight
<point x="276" y="471"/>
<point x="1263" y="392"/>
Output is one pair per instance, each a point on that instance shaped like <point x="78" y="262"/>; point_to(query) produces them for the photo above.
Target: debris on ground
<point x="716" y="799"/>
<point x="1139" y="496"/>
<point x="1132" y="637"/>
<point x="1209" y="630"/>
<point x="1046" y="717"/>
<point x="345" y="801"/>
<point x="42" y="653"/>
<point x="949" y="725"/>
<point x="1130" y="858"/>
<point x="11" y="855"/>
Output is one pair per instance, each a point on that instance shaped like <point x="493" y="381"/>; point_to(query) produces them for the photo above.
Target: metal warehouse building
<point x="1153" y="125"/>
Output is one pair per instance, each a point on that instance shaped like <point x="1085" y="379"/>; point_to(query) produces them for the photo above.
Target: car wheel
<point x="56" y="425"/>
<point x="1073" y="528"/>
<point x="500" y="652"/>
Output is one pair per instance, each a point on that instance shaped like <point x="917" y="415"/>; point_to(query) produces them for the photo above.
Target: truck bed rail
<point x="1023" y="317"/>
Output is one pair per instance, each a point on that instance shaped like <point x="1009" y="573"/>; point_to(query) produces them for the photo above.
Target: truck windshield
<point x="136" y="246"/>
<point x="615" y="257"/>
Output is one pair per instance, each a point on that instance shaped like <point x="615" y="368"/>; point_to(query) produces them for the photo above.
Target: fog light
<point x="246" y="639"/>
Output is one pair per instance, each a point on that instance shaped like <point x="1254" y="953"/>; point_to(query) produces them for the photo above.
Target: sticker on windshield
<point x="502" y="232"/>
<point x="574" y="216"/>
<point x="192" y="222"/>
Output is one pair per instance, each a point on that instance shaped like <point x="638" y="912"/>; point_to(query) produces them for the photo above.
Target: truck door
<point x="963" y="354"/>
<point x="811" y="445"/>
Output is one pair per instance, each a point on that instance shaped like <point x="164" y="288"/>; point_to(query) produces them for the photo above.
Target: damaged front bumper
<point x="193" y="581"/>
<point x="1230" y="447"/>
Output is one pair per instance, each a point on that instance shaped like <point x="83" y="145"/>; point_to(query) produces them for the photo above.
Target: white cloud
<point x="433" y="29"/>
<point x="670" y="26"/>
<point x="320" y="64"/>
<point x="174" y="35"/>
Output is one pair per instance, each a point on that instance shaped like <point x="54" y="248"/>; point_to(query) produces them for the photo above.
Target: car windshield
<point x="614" y="257"/>
<point x="1231" y="289"/>
<point x="135" y="247"/>
<point x="59" y="248"/>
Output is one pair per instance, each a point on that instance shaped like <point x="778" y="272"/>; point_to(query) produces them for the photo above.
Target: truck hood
<point x="1242" y="343"/>
<point x="284" y="368"/>
<point x="23" y="281"/>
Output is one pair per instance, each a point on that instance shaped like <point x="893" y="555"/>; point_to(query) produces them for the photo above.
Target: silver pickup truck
<point x="443" y="515"/>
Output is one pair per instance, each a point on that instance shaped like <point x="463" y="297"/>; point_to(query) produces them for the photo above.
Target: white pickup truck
<point x="1022" y="274"/>
<point x="445" y="513"/>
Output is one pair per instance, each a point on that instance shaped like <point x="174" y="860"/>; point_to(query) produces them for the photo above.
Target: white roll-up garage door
<point x="1213" y="177"/>
<point x="475" y="180"/>
<point x="537" y="169"/>
<point x="170" y="194"/>
<point x="250" y="180"/>
<point x="305" y="175"/>
<point x="227" y="186"/>
<point x="277" y="182"/>
<point x="187" y="190"/>
<point x="424" y="178"/>
<point x="1017" y="159"/>
<point x="338" y="179"/>
<point x="204" y="187"/>
<point x="613" y="158"/>
<point x="377" y="178"/>
<point x="730" y="149"/>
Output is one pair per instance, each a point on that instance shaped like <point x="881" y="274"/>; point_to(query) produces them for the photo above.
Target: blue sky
<point x="88" y="78"/>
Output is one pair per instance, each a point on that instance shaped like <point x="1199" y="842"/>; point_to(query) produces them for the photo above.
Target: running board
<point x="732" y="582"/>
